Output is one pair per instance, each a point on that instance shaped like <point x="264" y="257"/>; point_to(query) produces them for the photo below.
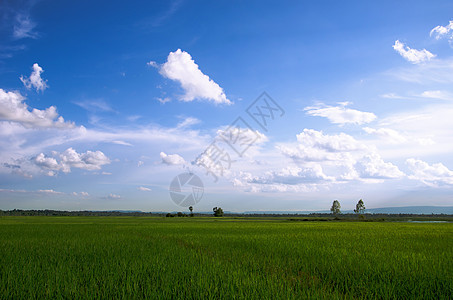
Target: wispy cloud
<point x="437" y="94"/>
<point x="144" y="189"/>
<point x="96" y="105"/>
<point x="340" y="114"/>
<point x="440" y="32"/>
<point x="187" y="122"/>
<point x="392" y="96"/>
<point x="24" y="27"/>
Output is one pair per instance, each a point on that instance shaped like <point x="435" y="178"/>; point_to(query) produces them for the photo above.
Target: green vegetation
<point x="213" y="258"/>
<point x="218" y="212"/>
<point x="359" y="207"/>
<point x="335" y="209"/>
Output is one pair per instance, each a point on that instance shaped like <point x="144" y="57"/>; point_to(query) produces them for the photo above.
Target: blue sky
<point x="103" y="104"/>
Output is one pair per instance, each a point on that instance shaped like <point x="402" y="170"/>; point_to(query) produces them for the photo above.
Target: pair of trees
<point x="336" y="207"/>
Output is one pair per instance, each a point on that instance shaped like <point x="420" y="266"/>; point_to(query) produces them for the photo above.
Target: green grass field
<point x="208" y="258"/>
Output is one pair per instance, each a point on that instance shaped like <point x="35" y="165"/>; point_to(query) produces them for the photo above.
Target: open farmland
<point x="211" y="258"/>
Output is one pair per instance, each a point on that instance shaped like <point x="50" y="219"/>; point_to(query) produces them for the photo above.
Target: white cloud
<point x="437" y="71"/>
<point x="432" y="175"/>
<point x="423" y="127"/>
<point x="294" y="175"/>
<point x="81" y="194"/>
<point x="43" y="191"/>
<point x="187" y="122"/>
<point x="392" y="96"/>
<point x="172" y="159"/>
<point x="35" y="79"/>
<point x="412" y="55"/>
<point x="241" y="136"/>
<point x="386" y="133"/>
<point x="153" y="64"/>
<point x="88" y="161"/>
<point x="163" y="100"/>
<point x="440" y="32"/>
<point x="122" y="143"/>
<point x="373" y="166"/>
<point x="330" y="143"/>
<point x="49" y="163"/>
<point x="23" y="27"/>
<point x="441" y="95"/>
<point x="340" y="114"/>
<point x="113" y="196"/>
<point x="182" y="68"/>
<point x="13" y="108"/>
<point x="341" y="156"/>
<point x="71" y="159"/>
<point x="51" y="192"/>
<point x="95" y="105"/>
<point x="144" y="189"/>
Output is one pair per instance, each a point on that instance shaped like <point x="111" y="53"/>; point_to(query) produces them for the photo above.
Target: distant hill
<point x="422" y="210"/>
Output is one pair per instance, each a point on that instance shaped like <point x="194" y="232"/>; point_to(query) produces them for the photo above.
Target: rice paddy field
<point x="223" y="258"/>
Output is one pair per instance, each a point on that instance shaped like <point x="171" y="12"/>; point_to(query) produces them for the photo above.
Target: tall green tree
<point x="191" y="210"/>
<point x="359" y="207"/>
<point x="335" y="209"/>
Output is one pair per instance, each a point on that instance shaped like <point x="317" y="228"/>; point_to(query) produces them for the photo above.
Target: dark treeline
<point x="62" y="213"/>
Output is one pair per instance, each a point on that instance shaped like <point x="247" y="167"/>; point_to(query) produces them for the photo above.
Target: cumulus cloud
<point x="182" y="68"/>
<point x="440" y="32"/>
<point x="432" y="175"/>
<point x="13" y="108"/>
<point x="294" y="175"/>
<point x="412" y="55"/>
<point x="330" y="143"/>
<point x="172" y="159"/>
<point x="373" y="166"/>
<point x="23" y="27"/>
<point x="35" y="80"/>
<point x="70" y="159"/>
<point x="341" y="156"/>
<point x="144" y="189"/>
<point x="340" y="114"/>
